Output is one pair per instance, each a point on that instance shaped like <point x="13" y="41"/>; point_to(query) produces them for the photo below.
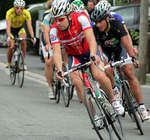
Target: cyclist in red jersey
<point x="73" y="30"/>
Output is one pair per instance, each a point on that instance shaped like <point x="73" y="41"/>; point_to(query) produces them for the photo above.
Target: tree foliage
<point x="7" y="4"/>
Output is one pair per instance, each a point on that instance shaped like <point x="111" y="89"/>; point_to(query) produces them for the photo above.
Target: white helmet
<point x="104" y="4"/>
<point x="19" y="3"/>
<point x="61" y="8"/>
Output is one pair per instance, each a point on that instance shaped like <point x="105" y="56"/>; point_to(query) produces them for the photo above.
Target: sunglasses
<point x="59" y="19"/>
<point x="21" y="8"/>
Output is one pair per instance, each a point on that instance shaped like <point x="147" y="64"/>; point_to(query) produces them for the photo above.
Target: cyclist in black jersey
<point x="109" y="34"/>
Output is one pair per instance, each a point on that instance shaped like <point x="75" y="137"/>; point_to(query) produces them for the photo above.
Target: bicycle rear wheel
<point x="13" y="70"/>
<point x="64" y="89"/>
<point x="128" y="104"/>
<point x="20" y="70"/>
<point x="94" y="107"/>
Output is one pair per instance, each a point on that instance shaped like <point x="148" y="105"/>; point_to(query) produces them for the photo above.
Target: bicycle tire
<point x="13" y="70"/>
<point x="71" y="93"/>
<point x="92" y="104"/>
<point x="20" y="69"/>
<point x="130" y="107"/>
<point x="113" y="118"/>
<point x="54" y="81"/>
<point x="56" y="86"/>
<point x="65" y="91"/>
<point x="57" y="93"/>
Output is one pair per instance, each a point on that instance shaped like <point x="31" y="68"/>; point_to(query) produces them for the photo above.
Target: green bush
<point x="134" y="36"/>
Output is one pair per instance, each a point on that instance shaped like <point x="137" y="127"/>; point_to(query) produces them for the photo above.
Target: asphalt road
<point x="27" y="114"/>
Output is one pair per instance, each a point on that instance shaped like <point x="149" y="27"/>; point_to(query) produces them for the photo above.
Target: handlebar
<point x="118" y="62"/>
<point x="20" y="39"/>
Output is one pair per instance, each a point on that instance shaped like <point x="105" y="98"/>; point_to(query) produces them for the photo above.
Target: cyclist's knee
<point x="100" y="77"/>
<point x="109" y="72"/>
<point x="11" y="47"/>
<point x="48" y="62"/>
<point x="129" y="74"/>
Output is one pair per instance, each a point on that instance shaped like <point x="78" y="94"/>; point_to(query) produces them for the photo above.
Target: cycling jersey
<point x="73" y="40"/>
<point x="114" y="15"/>
<point x="112" y="38"/>
<point x="17" y="20"/>
<point x="47" y="18"/>
<point x="111" y="41"/>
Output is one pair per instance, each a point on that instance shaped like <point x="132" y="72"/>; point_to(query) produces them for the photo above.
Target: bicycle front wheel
<point x="127" y="102"/>
<point x="13" y="70"/>
<point x="65" y="90"/>
<point x="114" y="121"/>
<point x="20" y="70"/>
<point x="94" y="107"/>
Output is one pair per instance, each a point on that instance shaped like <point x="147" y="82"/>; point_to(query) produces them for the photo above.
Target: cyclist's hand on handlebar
<point x="60" y="75"/>
<point x="136" y="63"/>
<point x="9" y="40"/>
<point x="48" y="47"/>
<point x="33" y="39"/>
<point x="95" y="59"/>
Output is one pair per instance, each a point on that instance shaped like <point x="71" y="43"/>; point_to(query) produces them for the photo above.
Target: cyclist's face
<point x="102" y="25"/>
<point x="19" y="10"/>
<point x="62" y="22"/>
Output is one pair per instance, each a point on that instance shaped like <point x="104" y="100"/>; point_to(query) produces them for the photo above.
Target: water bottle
<point x="16" y="55"/>
<point x="98" y="94"/>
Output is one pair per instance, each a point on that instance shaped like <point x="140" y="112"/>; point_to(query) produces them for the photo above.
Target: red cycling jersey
<point x="74" y="39"/>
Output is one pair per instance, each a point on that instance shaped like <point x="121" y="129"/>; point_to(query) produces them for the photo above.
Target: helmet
<point x="19" y="3"/>
<point x="77" y="6"/>
<point x="61" y="8"/>
<point x="99" y="13"/>
<point x="104" y="4"/>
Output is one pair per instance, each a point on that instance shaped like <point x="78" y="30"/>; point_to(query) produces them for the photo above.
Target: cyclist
<point x="109" y="34"/>
<point x="78" y="6"/>
<point x="47" y="22"/>
<point x="90" y="6"/>
<point x="46" y="46"/>
<point x="15" y="18"/>
<point x="112" y="15"/>
<point x="74" y="31"/>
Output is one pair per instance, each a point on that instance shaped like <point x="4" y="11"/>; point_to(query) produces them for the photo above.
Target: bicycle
<point x="60" y="88"/>
<point x="128" y="100"/>
<point x="17" y="63"/>
<point x="109" y="119"/>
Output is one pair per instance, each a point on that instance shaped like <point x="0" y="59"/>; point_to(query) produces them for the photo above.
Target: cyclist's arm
<point x="91" y="40"/>
<point x="46" y="30"/>
<point x="30" y="28"/>
<point x="127" y="45"/>
<point x="57" y="56"/>
<point x="8" y="29"/>
<point x="130" y="40"/>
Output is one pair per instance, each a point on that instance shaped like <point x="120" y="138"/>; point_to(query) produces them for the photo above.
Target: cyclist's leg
<point x="10" y="49"/>
<point x="76" y="76"/>
<point x="106" y="84"/>
<point x="48" y="68"/>
<point x="65" y="57"/>
<point x="22" y="34"/>
<point x="107" y="53"/>
<point x="101" y="76"/>
<point x="108" y="71"/>
<point x="134" y="83"/>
